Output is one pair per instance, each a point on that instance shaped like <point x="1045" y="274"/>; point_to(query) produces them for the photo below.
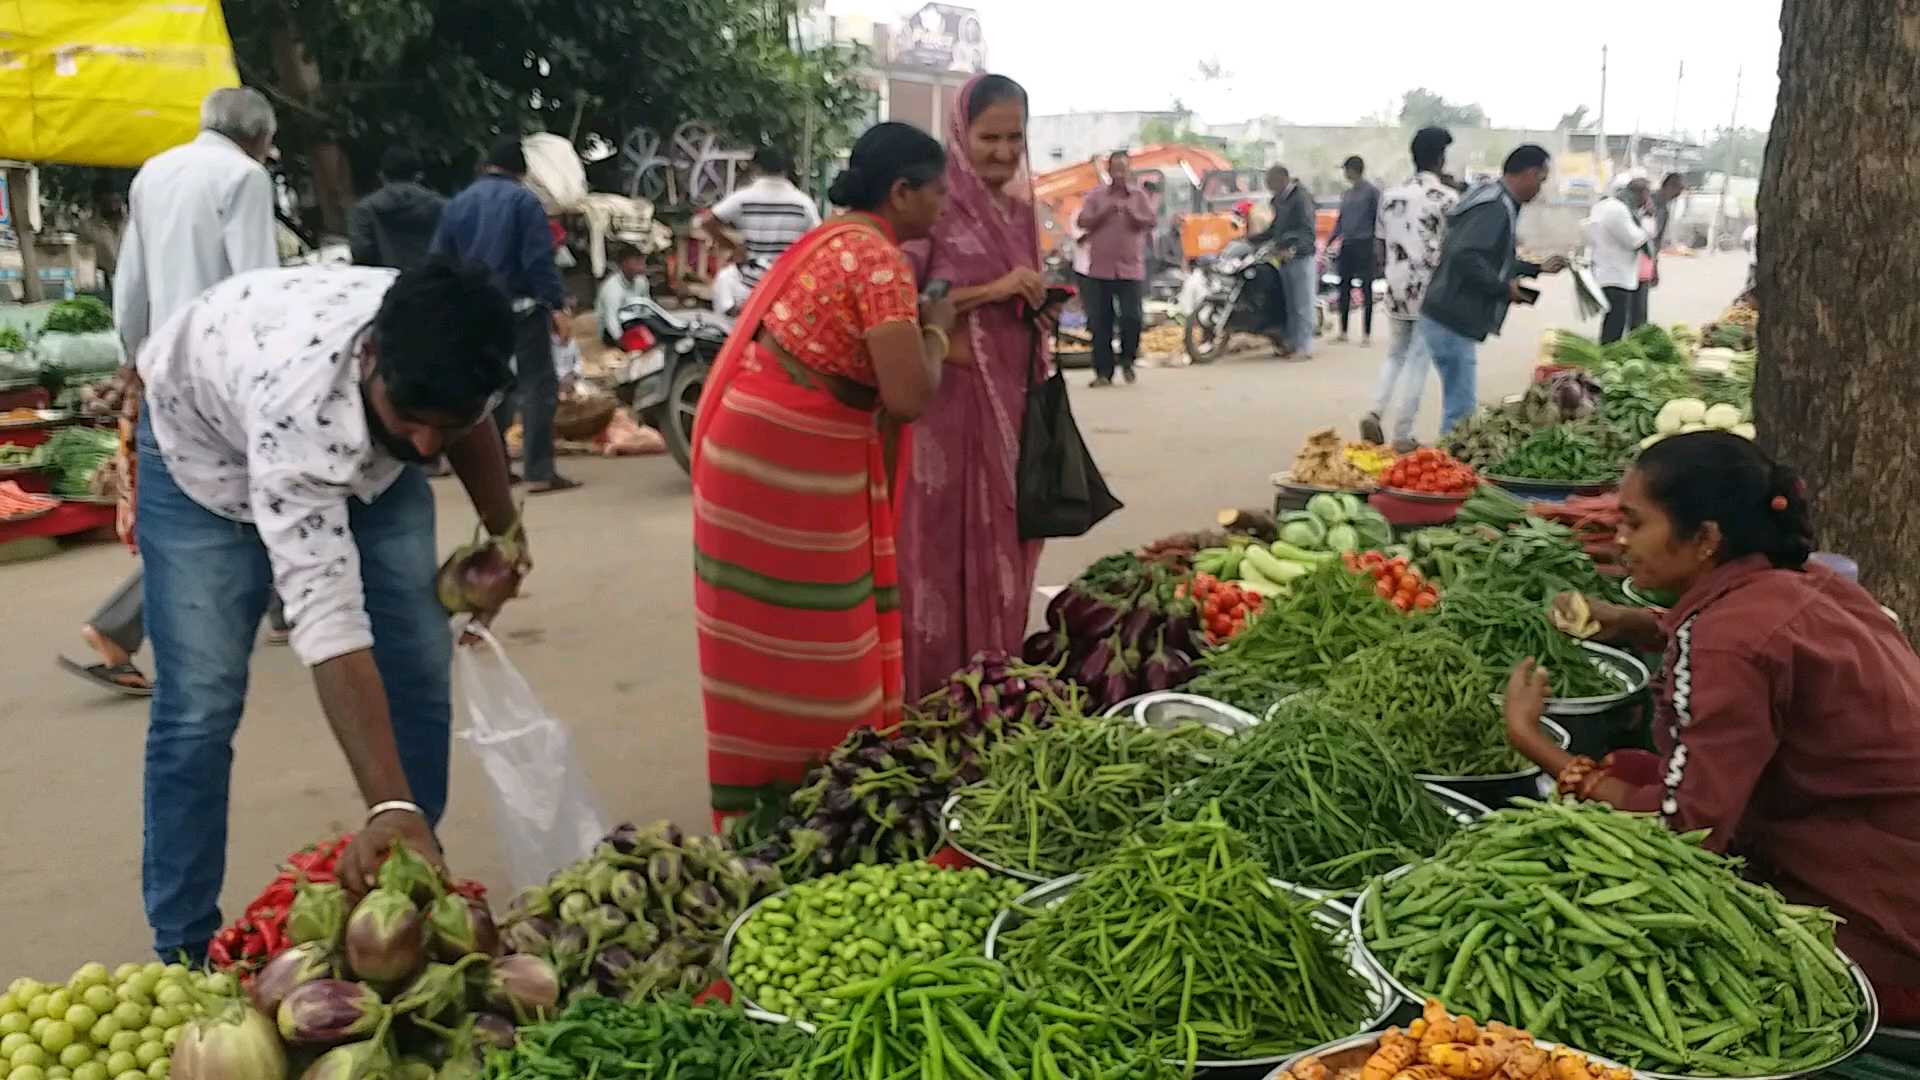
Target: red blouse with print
<point x="1789" y="723"/>
<point x="847" y="286"/>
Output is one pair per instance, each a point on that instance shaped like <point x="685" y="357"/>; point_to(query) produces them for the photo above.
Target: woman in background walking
<point x="967" y="573"/>
<point x="795" y="585"/>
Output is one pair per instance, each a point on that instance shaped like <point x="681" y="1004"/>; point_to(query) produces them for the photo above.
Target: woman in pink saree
<point x="966" y="575"/>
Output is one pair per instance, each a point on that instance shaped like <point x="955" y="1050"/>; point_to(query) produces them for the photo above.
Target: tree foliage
<point x="1421" y="107"/>
<point x="1745" y="148"/>
<point x="447" y="76"/>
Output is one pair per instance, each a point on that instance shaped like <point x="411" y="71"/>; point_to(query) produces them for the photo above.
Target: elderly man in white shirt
<point x="198" y="214"/>
<point x="285" y="410"/>
<point x="1618" y="232"/>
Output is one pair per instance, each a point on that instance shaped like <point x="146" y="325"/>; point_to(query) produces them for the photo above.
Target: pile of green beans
<point x="960" y="1018"/>
<point x="1503" y="627"/>
<point x="1057" y="799"/>
<point x="1431" y="698"/>
<point x="1245" y="687"/>
<point x="1304" y="637"/>
<point x="1180" y="934"/>
<point x="1324" y="799"/>
<point x="798" y="946"/>
<point x="1605" y="930"/>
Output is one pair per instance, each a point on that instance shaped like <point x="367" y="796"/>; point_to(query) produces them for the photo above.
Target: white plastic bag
<point x="543" y="804"/>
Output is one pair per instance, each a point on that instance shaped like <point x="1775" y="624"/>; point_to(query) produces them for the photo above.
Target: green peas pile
<point x="799" y="946"/>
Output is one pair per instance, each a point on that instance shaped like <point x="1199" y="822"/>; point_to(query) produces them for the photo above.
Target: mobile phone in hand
<point x="936" y="289"/>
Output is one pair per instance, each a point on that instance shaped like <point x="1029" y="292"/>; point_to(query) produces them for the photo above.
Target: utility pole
<point x="1726" y="181"/>
<point x="1677" y="81"/>
<point x="1603" y="159"/>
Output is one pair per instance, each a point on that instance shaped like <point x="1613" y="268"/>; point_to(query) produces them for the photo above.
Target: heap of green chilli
<point x="1431" y="698"/>
<point x="1607" y="931"/>
<point x="1325" y="800"/>
<point x="1057" y="799"/>
<point x="1181" y="935"/>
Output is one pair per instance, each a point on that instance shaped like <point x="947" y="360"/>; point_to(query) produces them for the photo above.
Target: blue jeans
<point x="1456" y="358"/>
<point x="1301" y="283"/>
<point x="1403" y="378"/>
<point x="207" y="585"/>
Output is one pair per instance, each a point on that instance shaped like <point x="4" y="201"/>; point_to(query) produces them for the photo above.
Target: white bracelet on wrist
<point x="391" y="805"/>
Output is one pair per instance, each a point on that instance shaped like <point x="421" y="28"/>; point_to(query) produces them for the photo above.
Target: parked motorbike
<point x="1240" y="292"/>
<point x="663" y="379"/>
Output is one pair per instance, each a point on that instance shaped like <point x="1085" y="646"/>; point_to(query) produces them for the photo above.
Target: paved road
<point x="604" y="636"/>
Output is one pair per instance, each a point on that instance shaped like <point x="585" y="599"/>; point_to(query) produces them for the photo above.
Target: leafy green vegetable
<point x="80" y="315"/>
<point x="75" y="453"/>
<point x="12" y="340"/>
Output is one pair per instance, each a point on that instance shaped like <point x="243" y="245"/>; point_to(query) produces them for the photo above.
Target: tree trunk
<point x="299" y="76"/>
<point x="1838" y="385"/>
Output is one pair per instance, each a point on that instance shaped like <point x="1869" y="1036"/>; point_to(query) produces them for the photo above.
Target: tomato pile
<point x="1225" y="607"/>
<point x="1395" y="581"/>
<point x="1431" y="471"/>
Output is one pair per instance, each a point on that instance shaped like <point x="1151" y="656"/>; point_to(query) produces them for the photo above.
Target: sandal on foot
<point x="111" y="676"/>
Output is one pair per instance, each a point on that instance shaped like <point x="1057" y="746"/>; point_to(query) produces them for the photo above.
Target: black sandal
<point x="109" y="676"/>
<point x="558" y="483"/>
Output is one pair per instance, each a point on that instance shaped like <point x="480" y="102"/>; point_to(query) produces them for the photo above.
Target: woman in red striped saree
<point x="796" y="587"/>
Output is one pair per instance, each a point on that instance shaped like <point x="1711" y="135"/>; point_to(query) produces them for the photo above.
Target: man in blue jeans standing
<point x="1477" y="280"/>
<point x="286" y="415"/>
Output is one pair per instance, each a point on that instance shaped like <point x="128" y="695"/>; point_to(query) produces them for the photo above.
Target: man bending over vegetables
<point x="287" y="414"/>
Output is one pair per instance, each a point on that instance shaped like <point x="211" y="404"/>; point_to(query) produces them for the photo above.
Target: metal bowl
<point x="955" y="829"/>
<point x="1499" y="787"/>
<point x="726" y="966"/>
<point x="1331" y="913"/>
<point x="1434" y="497"/>
<point x="1624" y="668"/>
<point x="1461" y="808"/>
<point x="1353" y="1052"/>
<point x="1635" y="596"/>
<point x="1551" y="490"/>
<point x="1168" y="709"/>
<point x="1870" y="1021"/>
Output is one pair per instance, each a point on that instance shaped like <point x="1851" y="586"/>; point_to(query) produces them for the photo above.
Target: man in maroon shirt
<point x="1116" y="220"/>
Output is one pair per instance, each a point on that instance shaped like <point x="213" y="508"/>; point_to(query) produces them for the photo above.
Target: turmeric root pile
<point x="1440" y="1046"/>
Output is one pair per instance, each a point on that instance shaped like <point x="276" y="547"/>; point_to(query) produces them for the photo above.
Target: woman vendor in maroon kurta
<point x="1788" y="714"/>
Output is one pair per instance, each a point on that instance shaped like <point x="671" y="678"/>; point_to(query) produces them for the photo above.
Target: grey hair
<point x="241" y="113"/>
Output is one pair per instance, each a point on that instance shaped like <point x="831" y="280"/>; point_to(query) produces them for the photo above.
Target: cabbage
<point x="1745" y="431"/>
<point x="1327" y="508"/>
<point x="1307" y="533"/>
<point x="1343" y="538"/>
<point x="1690" y="410"/>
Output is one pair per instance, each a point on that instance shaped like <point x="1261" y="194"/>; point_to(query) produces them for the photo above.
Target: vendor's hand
<point x="938" y="314"/>
<point x="1526" y="702"/>
<point x="1609" y="616"/>
<point x="360" y="863"/>
<point x="484" y="619"/>
<point x="1023" y="284"/>
<point x="1554" y="264"/>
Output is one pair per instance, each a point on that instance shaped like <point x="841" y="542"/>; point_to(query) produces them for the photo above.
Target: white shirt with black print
<point x="253" y="393"/>
<point x="1413" y="218"/>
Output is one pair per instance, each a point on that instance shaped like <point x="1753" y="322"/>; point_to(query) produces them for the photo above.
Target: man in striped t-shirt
<point x="767" y="215"/>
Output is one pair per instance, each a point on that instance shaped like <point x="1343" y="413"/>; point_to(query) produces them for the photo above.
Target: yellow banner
<point x="107" y="82"/>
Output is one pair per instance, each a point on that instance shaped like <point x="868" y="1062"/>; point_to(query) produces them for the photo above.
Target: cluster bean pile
<point x="1431" y="698"/>
<point x="607" y="1038"/>
<point x="1325" y="800"/>
<point x="797" y="947"/>
<point x="960" y="1017"/>
<point x="1058" y="799"/>
<point x="1180" y="934"/>
<point x="1503" y="627"/>
<point x="1607" y="931"/>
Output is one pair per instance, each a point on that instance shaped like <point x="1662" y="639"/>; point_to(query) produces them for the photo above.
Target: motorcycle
<point x="1238" y="290"/>
<point x="663" y="377"/>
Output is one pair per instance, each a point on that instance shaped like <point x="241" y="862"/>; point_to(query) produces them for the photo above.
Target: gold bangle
<point x="946" y="343"/>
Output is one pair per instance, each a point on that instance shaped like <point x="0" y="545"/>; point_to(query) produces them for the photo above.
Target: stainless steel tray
<point x="1167" y="709"/>
<point x="1624" y="668"/>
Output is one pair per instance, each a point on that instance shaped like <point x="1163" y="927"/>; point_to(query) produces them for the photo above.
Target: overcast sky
<point x="1335" y="61"/>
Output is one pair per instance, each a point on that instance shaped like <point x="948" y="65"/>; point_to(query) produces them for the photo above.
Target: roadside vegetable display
<point x="1324" y="462"/>
<point x="1430" y="471"/>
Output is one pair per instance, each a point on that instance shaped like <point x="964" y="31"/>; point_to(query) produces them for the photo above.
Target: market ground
<point x="605" y="637"/>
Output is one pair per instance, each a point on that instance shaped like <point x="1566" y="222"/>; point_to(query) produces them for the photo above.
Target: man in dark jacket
<point x="394" y="226"/>
<point x="1292" y="232"/>
<point x="499" y="223"/>
<point x="1477" y="278"/>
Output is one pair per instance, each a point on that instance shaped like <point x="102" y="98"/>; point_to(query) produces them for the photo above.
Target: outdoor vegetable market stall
<point x="57" y="437"/>
<point x="1245" y="807"/>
